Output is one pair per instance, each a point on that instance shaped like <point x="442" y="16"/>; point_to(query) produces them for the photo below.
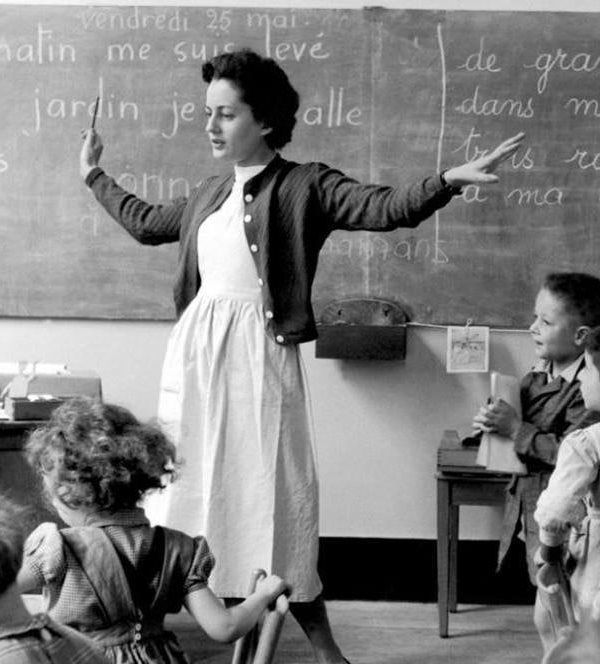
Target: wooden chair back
<point x="259" y="644"/>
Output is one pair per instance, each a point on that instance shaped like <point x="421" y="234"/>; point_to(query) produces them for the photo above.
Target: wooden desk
<point x="14" y="434"/>
<point x="459" y="482"/>
<point x="17" y="480"/>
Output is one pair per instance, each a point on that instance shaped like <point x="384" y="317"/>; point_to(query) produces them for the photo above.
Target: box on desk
<point x="24" y="408"/>
<point x="34" y="397"/>
<point x="65" y="385"/>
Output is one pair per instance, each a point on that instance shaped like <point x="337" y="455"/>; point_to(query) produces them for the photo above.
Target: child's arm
<point x="228" y="624"/>
<point x="544" y="446"/>
<point x="534" y="443"/>
<point x="559" y="506"/>
<point x="43" y="557"/>
<point x="529" y="440"/>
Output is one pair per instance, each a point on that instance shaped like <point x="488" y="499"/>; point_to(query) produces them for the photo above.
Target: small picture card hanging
<point x="468" y="349"/>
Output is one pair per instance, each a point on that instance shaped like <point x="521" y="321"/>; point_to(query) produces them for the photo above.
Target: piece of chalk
<point x="95" y="111"/>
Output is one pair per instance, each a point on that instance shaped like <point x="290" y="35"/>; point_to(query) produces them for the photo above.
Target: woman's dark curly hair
<point x="99" y="455"/>
<point x="264" y="86"/>
<point x="11" y="543"/>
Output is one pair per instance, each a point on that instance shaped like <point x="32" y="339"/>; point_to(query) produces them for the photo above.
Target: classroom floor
<point x="397" y="633"/>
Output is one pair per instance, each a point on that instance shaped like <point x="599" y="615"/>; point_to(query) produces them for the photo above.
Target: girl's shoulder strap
<point x="93" y="551"/>
<point x="138" y="577"/>
<point x="177" y="558"/>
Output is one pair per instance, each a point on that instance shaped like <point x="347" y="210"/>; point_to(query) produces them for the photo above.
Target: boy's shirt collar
<point x="568" y="374"/>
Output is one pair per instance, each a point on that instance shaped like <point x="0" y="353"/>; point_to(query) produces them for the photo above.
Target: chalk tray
<point x="362" y="329"/>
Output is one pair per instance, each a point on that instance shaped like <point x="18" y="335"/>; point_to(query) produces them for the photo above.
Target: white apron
<point x="236" y="405"/>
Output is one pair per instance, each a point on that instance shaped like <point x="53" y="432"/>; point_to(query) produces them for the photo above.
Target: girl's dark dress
<point x="114" y="580"/>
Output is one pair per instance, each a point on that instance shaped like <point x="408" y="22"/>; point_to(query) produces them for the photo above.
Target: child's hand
<point x="271" y="587"/>
<point x="480" y="420"/>
<point x="497" y="417"/>
<point x="91" y="150"/>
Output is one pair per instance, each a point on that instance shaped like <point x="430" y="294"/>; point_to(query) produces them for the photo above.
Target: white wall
<point x="378" y="424"/>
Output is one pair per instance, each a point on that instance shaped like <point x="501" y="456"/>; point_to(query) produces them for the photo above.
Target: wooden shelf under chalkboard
<point x="362" y="329"/>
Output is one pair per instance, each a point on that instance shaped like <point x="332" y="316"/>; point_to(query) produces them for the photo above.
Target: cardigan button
<point x="279" y="339"/>
<point x="247" y="218"/>
<point x="269" y="314"/>
<point x="261" y="282"/>
<point x="248" y="198"/>
<point x="253" y="248"/>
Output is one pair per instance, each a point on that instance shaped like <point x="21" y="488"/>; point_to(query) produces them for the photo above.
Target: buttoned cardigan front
<point x="289" y="210"/>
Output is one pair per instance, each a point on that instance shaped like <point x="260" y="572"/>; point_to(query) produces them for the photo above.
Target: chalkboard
<point x="386" y="95"/>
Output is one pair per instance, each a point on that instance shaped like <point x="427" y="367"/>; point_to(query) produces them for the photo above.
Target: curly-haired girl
<point x="110" y="574"/>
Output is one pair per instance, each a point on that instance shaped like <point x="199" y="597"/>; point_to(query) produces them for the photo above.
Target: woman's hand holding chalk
<point x="91" y="151"/>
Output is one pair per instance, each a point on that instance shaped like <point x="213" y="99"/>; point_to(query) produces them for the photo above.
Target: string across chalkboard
<point x="386" y="96"/>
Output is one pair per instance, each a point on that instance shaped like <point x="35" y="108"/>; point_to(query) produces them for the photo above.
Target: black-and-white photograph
<point x="299" y="332"/>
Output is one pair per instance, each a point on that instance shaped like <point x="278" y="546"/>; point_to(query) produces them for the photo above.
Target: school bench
<point x="459" y="482"/>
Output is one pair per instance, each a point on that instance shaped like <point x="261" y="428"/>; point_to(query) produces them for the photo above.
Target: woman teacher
<point x="233" y="390"/>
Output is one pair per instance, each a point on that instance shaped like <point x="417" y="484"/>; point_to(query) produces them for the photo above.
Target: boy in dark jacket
<point x="566" y="307"/>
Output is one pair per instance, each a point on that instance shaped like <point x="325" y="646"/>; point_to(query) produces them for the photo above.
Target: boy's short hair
<point x="592" y="341"/>
<point x="11" y="543"/>
<point x="579" y="292"/>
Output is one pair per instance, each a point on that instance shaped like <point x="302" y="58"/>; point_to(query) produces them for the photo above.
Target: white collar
<point x="245" y="173"/>
<point x="568" y="373"/>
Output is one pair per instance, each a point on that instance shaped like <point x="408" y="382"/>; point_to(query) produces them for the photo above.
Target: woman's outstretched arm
<point x="147" y="223"/>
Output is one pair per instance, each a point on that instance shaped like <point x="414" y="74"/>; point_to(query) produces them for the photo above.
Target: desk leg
<point x="453" y="555"/>
<point x="443" y="552"/>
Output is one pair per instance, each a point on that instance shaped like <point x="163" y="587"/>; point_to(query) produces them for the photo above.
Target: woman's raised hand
<point x="91" y="150"/>
<point x="481" y="170"/>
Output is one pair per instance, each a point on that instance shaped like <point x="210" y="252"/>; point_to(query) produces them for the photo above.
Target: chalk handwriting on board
<point x="133" y="19"/>
<point x="560" y="60"/>
<point x="49" y="109"/>
<point x="481" y="60"/>
<point x="386" y="96"/>
<point x="286" y="49"/>
<point x="411" y="250"/>
<point x="584" y="159"/>
<point x="585" y="107"/>
<point x="41" y="47"/>
<point x="476" y="105"/>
